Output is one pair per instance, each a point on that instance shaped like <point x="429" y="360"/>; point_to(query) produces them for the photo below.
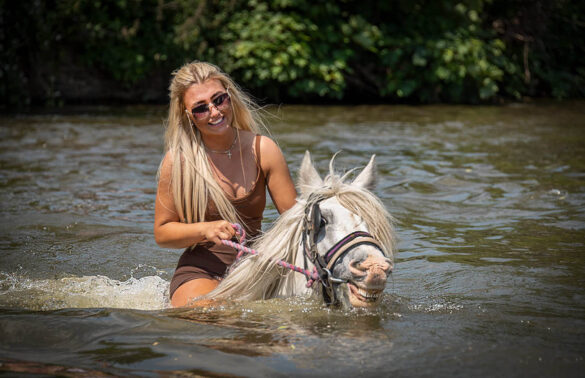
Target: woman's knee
<point x="190" y="290"/>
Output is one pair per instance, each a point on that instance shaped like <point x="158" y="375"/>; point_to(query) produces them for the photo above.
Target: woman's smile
<point x="217" y="121"/>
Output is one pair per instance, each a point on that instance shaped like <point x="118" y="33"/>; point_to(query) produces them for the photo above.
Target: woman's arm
<point x="280" y="184"/>
<point x="169" y="231"/>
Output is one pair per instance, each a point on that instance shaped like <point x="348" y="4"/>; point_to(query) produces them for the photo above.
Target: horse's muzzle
<point x="372" y="271"/>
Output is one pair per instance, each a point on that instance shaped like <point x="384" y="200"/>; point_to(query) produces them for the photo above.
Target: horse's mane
<point x="258" y="277"/>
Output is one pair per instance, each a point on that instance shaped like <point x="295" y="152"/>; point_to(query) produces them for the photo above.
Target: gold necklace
<point x="227" y="152"/>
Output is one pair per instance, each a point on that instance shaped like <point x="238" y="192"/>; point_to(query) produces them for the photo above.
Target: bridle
<point x="323" y="264"/>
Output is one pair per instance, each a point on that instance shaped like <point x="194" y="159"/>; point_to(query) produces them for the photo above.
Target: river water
<point x="489" y="278"/>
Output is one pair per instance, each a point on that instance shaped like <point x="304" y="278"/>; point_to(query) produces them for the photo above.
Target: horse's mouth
<point x="362" y="297"/>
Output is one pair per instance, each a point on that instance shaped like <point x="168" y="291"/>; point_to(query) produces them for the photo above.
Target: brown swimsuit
<point x="210" y="261"/>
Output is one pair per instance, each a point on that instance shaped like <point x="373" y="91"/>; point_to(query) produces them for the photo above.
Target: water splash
<point x="146" y="293"/>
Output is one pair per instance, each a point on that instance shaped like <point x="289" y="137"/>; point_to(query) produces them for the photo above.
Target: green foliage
<point x="450" y="68"/>
<point x="299" y="50"/>
<point x="125" y="38"/>
<point x="273" y="48"/>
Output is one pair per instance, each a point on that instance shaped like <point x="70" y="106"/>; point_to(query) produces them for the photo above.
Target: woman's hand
<point x="218" y="230"/>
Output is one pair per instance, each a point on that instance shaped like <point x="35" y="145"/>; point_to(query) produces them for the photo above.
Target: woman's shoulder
<point x="270" y="152"/>
<point x="169" y="159"/>
<point x="268" y="145"/>
<point x="265" y="143"/>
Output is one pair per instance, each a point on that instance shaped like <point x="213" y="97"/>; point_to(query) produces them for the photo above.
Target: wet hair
<point x="192" y="182"/>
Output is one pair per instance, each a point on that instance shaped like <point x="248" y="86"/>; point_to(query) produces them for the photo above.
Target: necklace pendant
<point x="229" y="154"/>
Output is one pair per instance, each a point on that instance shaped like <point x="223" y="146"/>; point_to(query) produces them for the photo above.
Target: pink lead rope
<point x="313" y="276"/>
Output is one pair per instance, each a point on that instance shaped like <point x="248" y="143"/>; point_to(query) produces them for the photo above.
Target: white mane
<point x="258" y="277"/>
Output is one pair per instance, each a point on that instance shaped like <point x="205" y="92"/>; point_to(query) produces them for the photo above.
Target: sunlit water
<point x="489" y="280"/>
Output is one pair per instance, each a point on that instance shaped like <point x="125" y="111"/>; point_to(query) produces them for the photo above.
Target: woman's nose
<point x="213" y="110"/>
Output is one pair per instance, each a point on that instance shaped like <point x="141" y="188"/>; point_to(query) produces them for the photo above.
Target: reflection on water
<point x="490" y="204"/>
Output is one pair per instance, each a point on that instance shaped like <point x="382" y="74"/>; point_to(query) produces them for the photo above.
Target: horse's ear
<point x="367" y="177"/>
<point x="308" y="175"/>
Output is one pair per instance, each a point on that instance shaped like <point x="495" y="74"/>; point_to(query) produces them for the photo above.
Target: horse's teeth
<point x="368" y="294"/>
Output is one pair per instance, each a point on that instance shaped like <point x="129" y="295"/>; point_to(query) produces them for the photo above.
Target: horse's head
<point x="347" y="235"/>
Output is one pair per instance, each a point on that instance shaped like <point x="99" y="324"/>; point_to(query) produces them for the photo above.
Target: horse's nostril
<point x="357" y="265"/>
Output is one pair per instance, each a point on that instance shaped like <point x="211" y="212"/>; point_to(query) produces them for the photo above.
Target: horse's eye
<point x="323" y="222"/>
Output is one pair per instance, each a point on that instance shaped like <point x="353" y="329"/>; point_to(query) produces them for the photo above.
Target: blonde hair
<point x="192" y="182"/>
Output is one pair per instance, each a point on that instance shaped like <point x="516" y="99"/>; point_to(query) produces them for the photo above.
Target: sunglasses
<point x="220" y="102"/>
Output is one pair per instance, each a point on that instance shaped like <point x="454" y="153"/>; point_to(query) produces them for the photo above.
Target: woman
<point x="215" y="172"/>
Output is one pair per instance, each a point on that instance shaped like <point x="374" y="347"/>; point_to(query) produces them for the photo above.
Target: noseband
<point x="313" y="223"/>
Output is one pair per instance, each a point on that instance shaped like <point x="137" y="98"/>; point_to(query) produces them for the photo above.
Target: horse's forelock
<point x="368" y="207"/>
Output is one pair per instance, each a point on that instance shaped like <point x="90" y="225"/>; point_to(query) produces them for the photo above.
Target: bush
<point x="298" y="50"/>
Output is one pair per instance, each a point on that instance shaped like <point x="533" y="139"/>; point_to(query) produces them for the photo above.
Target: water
<point x="489" y="280"/>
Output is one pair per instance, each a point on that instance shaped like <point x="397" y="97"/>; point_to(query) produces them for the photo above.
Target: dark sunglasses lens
<point x="200" y="110"/>
<point x="219" y="100"/>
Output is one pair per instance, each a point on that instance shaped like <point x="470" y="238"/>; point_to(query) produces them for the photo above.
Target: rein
<point x="311" y="275"/>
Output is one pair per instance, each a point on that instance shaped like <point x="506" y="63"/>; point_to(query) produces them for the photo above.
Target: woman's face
<point x="212" y="116"/>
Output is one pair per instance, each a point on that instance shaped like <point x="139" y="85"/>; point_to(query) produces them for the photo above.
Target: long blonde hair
<point x="192" y="182"/>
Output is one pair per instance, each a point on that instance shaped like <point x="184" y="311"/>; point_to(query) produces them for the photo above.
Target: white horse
<point x="340" y="228"/>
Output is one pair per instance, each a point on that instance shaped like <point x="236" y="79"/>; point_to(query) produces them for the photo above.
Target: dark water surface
<point x="489" y="280"/>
